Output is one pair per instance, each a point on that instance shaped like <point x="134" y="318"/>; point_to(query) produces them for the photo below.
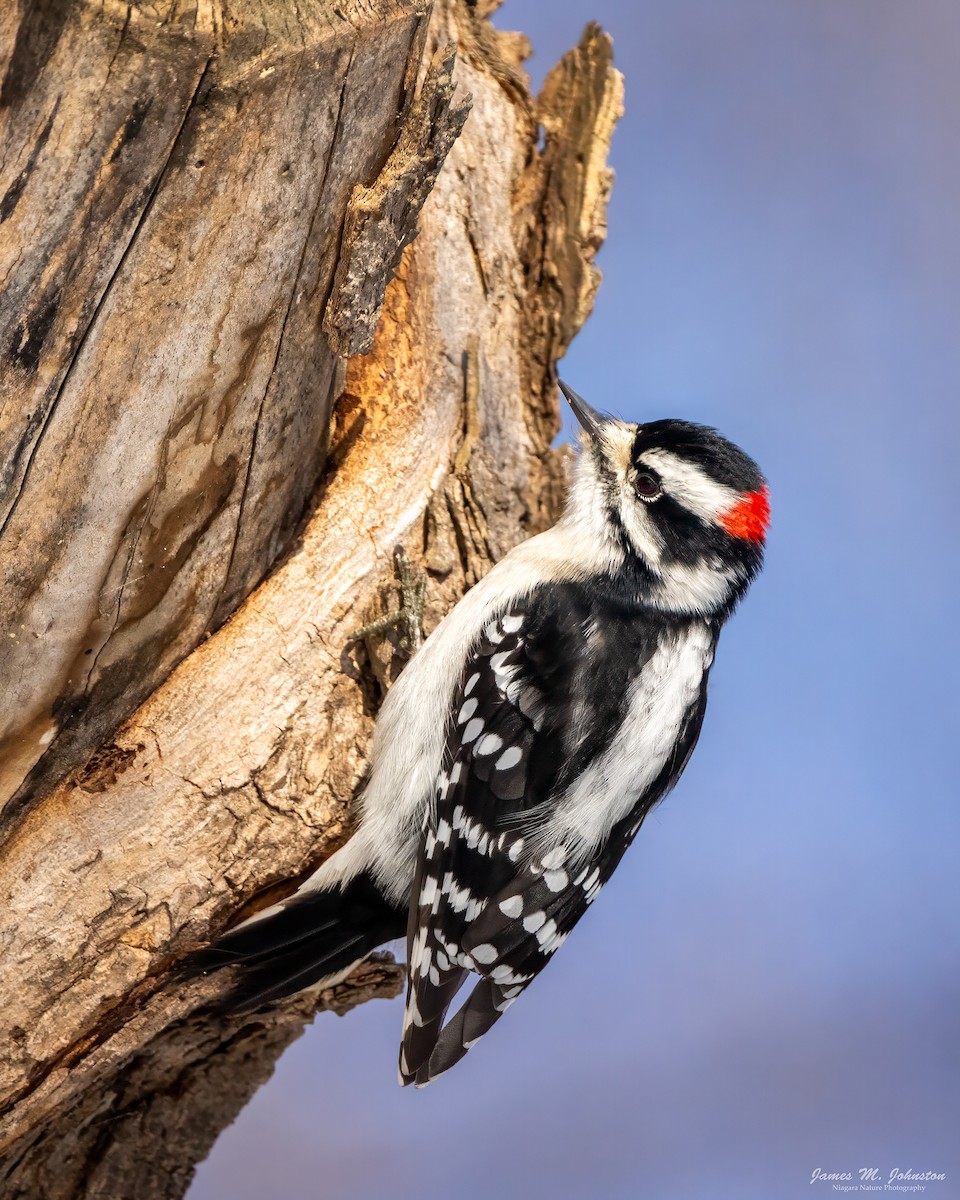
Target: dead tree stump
<point x="231" y="383"/>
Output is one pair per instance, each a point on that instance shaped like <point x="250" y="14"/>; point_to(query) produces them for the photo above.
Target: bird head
<point x="671" y="505"/>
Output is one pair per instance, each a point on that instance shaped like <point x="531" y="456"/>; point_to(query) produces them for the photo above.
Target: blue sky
<point x="771" y="983"/>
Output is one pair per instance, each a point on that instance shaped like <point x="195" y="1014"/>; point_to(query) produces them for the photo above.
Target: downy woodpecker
<point x="519" y="751"/>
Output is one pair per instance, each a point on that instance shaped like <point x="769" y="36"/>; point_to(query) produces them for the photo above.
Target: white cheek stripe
<point x="641" y="530"/>
<point x="696" y="590"/>
<point x="689" y="485"/>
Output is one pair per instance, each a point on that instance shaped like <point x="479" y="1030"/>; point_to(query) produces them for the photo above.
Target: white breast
<point x="658" y="701"/>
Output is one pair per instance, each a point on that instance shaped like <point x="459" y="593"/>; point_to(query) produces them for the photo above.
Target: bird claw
<point x="408" y="618"/>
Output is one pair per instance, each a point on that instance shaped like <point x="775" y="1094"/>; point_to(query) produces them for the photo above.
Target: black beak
<point x="591" y="420"/>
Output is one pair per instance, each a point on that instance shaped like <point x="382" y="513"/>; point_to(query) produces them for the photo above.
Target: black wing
<point x="538" y="700"/>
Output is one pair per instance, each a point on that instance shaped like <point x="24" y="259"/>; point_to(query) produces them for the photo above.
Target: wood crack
<point x="321" y="193"/>
<point x="82" y="340"/>
<point x="381" y="220"/>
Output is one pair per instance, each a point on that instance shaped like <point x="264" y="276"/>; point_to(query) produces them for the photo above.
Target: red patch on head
<point x="749" y="517"/>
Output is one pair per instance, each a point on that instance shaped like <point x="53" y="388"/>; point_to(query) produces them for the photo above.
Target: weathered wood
<point x="381" y="220"/>
<point x="237" y="772"/>
<point x="171" y="199"/>
<point x="142" y="1131"/>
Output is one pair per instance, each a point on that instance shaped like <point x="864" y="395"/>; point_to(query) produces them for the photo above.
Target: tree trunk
<point x="225" y="399"/>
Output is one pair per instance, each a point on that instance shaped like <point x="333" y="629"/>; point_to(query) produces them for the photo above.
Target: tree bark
<point x="202" y="215"/>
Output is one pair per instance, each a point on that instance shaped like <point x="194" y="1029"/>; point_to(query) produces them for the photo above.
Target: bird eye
<point x="647" y="486"/>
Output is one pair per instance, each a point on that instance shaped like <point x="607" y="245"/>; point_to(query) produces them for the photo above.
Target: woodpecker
<point x="520" y="750"/>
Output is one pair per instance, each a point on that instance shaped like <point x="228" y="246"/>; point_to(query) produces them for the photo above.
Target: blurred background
<point x="770" y="984"/>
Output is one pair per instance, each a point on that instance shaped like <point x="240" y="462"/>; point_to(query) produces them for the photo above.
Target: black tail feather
<point x="315" y="936"/>
<point x="478" y="1014"/>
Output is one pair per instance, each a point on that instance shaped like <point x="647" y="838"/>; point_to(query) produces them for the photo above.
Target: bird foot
<point x="407" y="619"/>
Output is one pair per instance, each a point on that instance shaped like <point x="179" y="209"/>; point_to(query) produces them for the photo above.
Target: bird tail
<point x="311" y="938"/>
